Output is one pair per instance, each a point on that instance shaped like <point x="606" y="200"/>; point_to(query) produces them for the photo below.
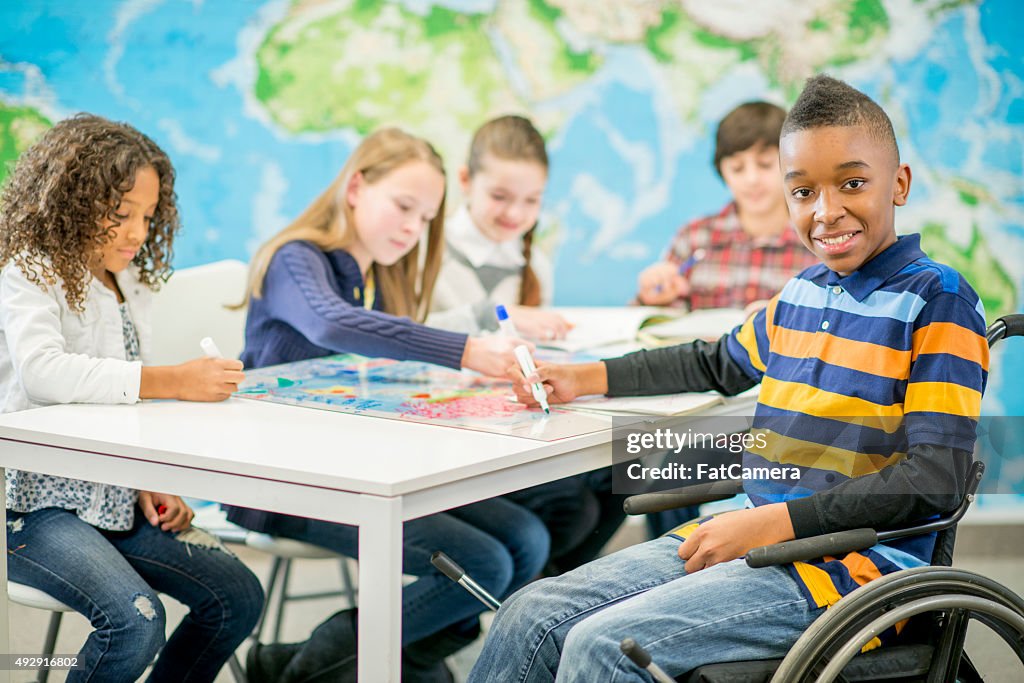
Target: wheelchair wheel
<point x="957" y="595"/>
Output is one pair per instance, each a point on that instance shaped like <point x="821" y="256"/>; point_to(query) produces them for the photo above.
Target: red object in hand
<point x="161" y="509"/>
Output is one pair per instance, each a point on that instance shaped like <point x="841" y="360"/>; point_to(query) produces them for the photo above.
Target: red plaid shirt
<point x="737" y="268"/>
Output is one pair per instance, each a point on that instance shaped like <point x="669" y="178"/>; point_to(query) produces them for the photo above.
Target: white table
<point x="370" y="472"/>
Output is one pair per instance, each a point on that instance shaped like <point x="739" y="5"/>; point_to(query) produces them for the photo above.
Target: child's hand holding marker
<point x="561" y="383"/>
<point x="663" y="283"/>
<point x="537" y="389"/>
<point x="168" y="512"/>
<point x="213" y="378"/>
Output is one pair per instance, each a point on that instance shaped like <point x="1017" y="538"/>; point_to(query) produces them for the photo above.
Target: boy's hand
<point x="209" y="379"/>
<point x="170" y="512"/>
<point x="661" y="284"/>
<point x="563" y="383"/>
<point x="732" y="534"/>
<point x="539" y="324"/>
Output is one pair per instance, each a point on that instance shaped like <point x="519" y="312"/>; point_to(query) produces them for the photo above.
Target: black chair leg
<point x="275" y="570"/>
<point x="279" y="616"/>
<point x="50" y="644"/>
<point x="236" y="670"/>
<point x="347" y="585"/>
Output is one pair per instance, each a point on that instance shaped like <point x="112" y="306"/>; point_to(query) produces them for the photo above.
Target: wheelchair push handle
<point x="1007" y="326"/>
<point x="803" y="549"/>
<point x="453" y="571"/>
<point x="646" y="503"/>
<point x="642" y="658"/>
<point x="447" y="566"/>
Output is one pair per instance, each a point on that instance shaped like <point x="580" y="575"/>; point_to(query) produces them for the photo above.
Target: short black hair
<point x="827" y="101"/>
<point x="752" y="124"/>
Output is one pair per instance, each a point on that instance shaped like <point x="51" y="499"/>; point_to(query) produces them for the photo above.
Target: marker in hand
<point x="685" y="266"/>
<point x="528" y="368"/>
<point x="209" y="348"/>
<point x="505" y="324"/>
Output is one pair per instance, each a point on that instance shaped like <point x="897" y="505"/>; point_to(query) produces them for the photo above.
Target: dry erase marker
<point x="686" y="265"/>
<point x="528" y="368"/>
<point x="209" y="348"/>
<point x="505" y="324"/>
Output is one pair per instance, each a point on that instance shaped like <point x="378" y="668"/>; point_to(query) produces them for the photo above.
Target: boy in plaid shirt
<point x="744" y="254"/>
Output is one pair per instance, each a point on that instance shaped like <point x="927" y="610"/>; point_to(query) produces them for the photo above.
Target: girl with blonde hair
<point x="347" y="276"/>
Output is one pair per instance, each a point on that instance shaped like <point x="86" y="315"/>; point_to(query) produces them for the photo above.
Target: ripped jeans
<point x="113" y="577"/>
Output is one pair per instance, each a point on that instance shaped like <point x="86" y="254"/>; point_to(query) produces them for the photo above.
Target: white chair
<point x="27" y="596"/>
<point x="192" y="304"/>
<point x="284" y="551"/>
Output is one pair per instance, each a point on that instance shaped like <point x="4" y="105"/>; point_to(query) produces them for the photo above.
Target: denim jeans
<point x="580" y="512"/>
<point x="113" y="579"/>
<point x="500" y="545"/>
<point x="569" y="628"/>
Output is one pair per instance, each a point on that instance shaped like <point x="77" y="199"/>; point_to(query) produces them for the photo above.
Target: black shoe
<point x="423" y="661"/>
<point x="264" y="663"/>
<point x="438" y="672"/>
<point x="329" y="656"/>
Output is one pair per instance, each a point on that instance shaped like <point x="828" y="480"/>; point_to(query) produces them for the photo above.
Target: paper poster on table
<point x="417" y="392"/>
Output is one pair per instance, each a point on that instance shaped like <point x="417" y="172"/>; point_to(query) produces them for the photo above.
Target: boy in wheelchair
<point x="877" y="345"/>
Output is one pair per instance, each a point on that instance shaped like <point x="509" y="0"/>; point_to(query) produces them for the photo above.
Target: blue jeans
<point x="113" y="579"/>
<point x="500" y="544"/>
<point x="569" y="628"/>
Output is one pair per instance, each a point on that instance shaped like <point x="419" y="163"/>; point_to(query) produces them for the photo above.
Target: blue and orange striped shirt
<point x="855" y="371"/>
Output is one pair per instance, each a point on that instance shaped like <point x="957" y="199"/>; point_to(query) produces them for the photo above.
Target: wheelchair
<point x="938" y="600"/>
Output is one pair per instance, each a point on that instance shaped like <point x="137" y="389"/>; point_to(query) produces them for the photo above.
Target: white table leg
<point x="380" y="589"/>
<point x="5" y="636"/>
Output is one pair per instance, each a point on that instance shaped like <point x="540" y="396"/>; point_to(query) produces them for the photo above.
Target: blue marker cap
<point x="500" y="311"/>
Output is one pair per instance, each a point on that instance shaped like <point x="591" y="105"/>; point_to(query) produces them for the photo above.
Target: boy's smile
<point x="841" y="186"/>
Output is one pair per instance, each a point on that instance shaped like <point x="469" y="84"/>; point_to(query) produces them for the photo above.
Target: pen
<point x="686" y="265"/>
<point x="528" y="368"/>
<point x="505" y="324"/>
<point x="209" y="348"/>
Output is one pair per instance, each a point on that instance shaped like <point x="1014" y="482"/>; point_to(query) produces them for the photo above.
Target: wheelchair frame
<point x="952" y="596"/>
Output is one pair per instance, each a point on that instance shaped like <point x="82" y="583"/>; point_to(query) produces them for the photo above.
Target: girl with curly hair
<point x="87" y="222"/>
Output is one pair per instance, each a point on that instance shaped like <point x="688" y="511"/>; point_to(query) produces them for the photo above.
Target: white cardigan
<point x="51" y="354"/>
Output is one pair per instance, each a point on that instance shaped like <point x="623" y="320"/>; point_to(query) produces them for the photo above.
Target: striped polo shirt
<point x="855" y="371"/>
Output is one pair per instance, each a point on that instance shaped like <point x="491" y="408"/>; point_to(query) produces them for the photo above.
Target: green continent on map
<point x="977" y="264"/>
<point x="19" y="128"/>
<point x="787" y="53"/>
<point x="370" y="63"/>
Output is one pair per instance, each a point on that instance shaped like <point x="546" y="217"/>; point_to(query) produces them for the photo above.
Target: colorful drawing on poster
<point x="417" y="392"/>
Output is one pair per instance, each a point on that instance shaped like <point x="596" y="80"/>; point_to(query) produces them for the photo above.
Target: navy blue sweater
<point x="312" y="306"/>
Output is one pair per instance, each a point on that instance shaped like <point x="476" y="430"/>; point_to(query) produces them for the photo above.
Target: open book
<point x="708" y="324"/>
<point x="663" y="405"/>
<point x="597" y="326"/>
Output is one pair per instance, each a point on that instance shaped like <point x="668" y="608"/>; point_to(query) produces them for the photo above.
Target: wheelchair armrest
<point x="803" y="549"/>
<point x="693" y="495"/>
<point x="858" y="539"/>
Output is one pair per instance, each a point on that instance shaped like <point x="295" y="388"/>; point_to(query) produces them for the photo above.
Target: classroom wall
<point x="259" y="104"/>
